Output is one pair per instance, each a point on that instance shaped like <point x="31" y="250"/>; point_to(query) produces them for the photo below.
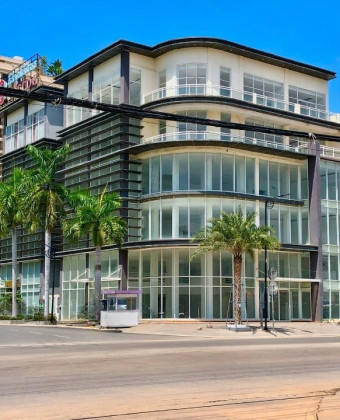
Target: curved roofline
<point x="190" y="42"/>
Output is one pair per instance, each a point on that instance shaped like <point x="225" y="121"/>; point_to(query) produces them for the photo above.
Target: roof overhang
<point x="205" y="42"/>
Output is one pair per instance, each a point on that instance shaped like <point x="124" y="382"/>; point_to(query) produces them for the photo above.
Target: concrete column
<point x="315" y="229"/>
<point x="124" y="94"/>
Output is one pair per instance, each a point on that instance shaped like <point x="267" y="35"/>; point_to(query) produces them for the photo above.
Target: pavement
<point x="221" y="330"/>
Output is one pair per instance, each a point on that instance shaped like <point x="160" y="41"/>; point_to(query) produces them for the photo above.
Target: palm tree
<point x="94" y="215"/>
<point x="238" y="234"/>
<point x="44" y="202"/>
<point x="11" y="216"/>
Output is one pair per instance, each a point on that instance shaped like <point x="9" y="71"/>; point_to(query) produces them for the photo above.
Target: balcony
<point x="298" y="147"/>
<point x="302" y="108"/>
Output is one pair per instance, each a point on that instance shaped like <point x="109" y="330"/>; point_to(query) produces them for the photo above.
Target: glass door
<point x="284" y="305"/>
<point x="282" y="310"/>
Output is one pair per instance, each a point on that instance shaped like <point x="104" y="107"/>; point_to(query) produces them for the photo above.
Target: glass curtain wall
<point x="184" y="217"/>
<point x="330" y="219"/>
<point x="173" y="286"/>
<point x="78" y="285"/>
<point x="223" y="172"/>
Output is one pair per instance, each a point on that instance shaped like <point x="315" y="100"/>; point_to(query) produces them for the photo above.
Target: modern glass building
<point x="175" y="176"/>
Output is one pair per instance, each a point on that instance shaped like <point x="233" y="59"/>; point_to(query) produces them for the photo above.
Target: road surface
<point x="68" y="373"/>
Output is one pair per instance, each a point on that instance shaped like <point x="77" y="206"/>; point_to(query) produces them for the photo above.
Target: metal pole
<point x="52" y="255"/>
<point x="273" y="310"/>
<point x="265" y="297"/>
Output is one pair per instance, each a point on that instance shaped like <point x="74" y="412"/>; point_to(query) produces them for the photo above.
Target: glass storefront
<point x="175" y="286"/>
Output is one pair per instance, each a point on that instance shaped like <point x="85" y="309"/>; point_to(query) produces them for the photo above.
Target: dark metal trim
<point x="177" y="194"/>
<point x="206" y="42"/>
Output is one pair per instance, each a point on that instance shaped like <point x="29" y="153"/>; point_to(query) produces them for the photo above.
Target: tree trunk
<point x="14" y="273"/>
<point x="237" y="289"/>
<point x="47" y="271"/>
<point x="98" y="282"/>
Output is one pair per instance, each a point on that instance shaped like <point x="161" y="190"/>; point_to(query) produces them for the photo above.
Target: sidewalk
<point x="219" y="330"/>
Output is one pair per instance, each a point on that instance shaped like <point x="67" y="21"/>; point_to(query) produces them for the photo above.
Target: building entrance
<point x="292" y="301"/>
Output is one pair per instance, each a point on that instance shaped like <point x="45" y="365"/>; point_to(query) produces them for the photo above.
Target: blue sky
<point x="306" y="31"/>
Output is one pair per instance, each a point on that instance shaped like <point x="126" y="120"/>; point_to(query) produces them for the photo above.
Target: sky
<point x="305" y="31"/>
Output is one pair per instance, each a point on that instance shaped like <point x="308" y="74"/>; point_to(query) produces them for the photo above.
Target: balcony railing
<point x="298" y="147"/>
<point x="302" y="107"/>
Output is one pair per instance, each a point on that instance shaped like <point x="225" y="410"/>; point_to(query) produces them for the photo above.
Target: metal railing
<point x="303" y="107"/>
<point x="298" y="147"/>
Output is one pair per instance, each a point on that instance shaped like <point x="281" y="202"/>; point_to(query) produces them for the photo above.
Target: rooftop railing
<point x="302" y="108"/>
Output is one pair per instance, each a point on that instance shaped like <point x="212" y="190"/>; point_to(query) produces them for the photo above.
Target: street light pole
<point x="268" y="205"/>
<point x="51" y="254"/>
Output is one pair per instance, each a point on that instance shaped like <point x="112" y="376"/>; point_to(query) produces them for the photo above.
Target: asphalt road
<point x="66" y="373"/>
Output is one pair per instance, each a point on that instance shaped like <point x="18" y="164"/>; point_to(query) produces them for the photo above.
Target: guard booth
<point x="119" y="308"/>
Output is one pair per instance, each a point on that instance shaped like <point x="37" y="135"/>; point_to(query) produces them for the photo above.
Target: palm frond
<point x="237" y="233"/>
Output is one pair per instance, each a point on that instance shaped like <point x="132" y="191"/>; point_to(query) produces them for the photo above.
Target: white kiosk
<point x="119" y="308"/>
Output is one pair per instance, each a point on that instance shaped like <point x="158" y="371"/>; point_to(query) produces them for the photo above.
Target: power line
<point x="132" y="111"/>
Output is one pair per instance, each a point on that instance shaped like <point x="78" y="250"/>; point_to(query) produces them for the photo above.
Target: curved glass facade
<point x="192" y="171"/>
<point x="174" y="218"/>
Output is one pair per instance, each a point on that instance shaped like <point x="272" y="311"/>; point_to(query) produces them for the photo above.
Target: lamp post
<point x="273" y="289"/>
<point x="51" y="254"/>
<point x="268" y="205"/>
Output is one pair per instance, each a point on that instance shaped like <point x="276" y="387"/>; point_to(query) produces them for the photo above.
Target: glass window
<point x="240" y="174"/>
<point x="227" y="173"/>
<point x="155" y="227"/>
<point x="145" y="176"/>
<point x="308" y="100"/>
<point x="263" y="177"/>
<point x="250" y="176"/>
<point x="155" y="174"/>
<point x="263" y="88"/>
<point x="14" y="136"/>
<point x="77" y="114"/>
<point x="274" y="139"/>
<point x="166" y="222"/>
<point x="167" y="173"/>
<point x="333" y="265"/>
<point x="107" y="88"/>
<point x="224" y="81"/>
<point x="145" y="223"/>
<point x="293" y="183"/>
<point x="294" y="235"/>
<point x="192" y="79"/>
<point x="183" y="225"/>
<point x="331" y="178"/>
<point x="196" y="219"/>
<point x="323" y="181"/>
<point x="215" y="172"/>
<point x="135" y="86"/>
<point x="191" y="130"/>
<point x="183" y="171"/>
<point x="162" y="84"/>
<point x="332" y="218"/>
<point x="225" y="132"/>
<point x="197" y="171"/>
<point x="273" y="179"/>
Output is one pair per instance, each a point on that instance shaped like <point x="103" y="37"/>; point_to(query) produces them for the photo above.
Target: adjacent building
<point x="174" y="177"/>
